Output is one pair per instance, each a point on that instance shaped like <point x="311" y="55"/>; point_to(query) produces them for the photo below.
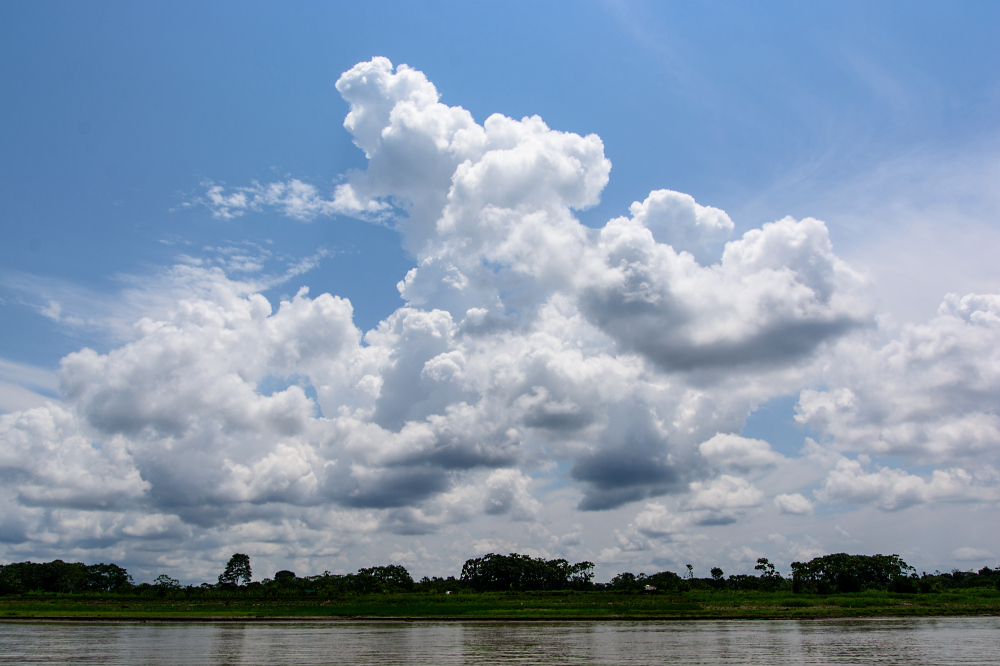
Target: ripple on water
<point x="938" y="641"/>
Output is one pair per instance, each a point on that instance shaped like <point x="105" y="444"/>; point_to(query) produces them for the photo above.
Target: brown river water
<point x="937" y="641"/>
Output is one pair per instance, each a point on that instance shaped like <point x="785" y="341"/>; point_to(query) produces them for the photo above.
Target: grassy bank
<point x="523" y="605"/>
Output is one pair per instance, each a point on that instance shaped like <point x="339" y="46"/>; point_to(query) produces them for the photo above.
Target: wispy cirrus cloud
<point x="23" y="386"/>
<point x="110" y="316"/>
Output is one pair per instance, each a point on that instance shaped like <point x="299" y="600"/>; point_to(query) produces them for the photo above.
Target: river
<point x="938" y="641"/>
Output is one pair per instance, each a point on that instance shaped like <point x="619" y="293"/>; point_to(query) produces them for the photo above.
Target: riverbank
<point x="514" y="606"/>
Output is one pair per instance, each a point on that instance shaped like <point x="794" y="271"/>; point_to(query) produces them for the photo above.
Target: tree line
<point x="59" y="576"/>
<point x="837" y="573"/>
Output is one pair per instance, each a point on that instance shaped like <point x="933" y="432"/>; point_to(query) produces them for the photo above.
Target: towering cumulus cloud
<point x="539" y="371"/>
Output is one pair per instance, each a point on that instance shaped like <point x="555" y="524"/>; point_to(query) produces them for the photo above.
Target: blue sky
<point x="881" y="121"/>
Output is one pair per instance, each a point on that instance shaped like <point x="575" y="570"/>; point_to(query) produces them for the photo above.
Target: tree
<point x="164" y="585"/>
<point x="627" y="582"/>
<point x="718" y="582"/>
<point x="285" y="577"/>
<point x="580" y="575"/>
<point x="765" y="568"/>
<point x="742" y="582"/>
<point x="165" y="582"/>
<point x="237" y="570"/>
<point x="384" y="579"/>
<point x="770" y="579"/>
<point x="59" y="576"/>
<point x="841" y="572"/>
<point x="521" y="572"/>
<point x="107" y="577"/>
<point x="666" y="581"/>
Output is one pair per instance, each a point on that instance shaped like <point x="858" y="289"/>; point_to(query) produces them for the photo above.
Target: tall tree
<point x="237" y="570"/>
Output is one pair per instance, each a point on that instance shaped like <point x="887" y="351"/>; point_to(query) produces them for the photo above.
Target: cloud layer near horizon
<point x="539" y="371"/>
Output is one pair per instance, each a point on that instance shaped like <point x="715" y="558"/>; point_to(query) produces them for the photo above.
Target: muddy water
<point x="884" y="642"/>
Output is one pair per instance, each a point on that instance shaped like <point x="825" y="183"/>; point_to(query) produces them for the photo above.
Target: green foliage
<point x="668" y="581"/>
<point x="769" y="579"/>
<point x="373" y="580"/>
<point x="285" y="578"/>
<point x="939" y="582"/>
<point x="742" y="582"/>
<point x="437" y="584"/>
<point x="107" y="577"/>
<point x="627" y="582"/>
<point x="62" y="577"/>
<point x="664" y="581"/>
<point x="905" y="584"/>
<point x="389" y="578"/>
<point x="237" y="570"/>
<point x="163" y="586"/>
<point x="165" y="581"/>
<point x="859" y="581"/>
<point x="516" y="572"/>
<point x="850" y="573"/>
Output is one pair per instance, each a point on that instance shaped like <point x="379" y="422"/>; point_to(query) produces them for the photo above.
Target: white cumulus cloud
<point x="892" y="489"/>
<point x="723" y="500"/>
<point x="793" y="503"/>
<point x="740" y="453"/>
<point x="927" y="392"/>
<point x="538" y="368"/>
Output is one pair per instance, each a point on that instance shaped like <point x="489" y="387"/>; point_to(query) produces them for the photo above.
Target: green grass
<point x="526" y="605"/>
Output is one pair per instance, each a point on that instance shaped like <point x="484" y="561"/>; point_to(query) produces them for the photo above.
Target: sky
<point x="643" y="284"/>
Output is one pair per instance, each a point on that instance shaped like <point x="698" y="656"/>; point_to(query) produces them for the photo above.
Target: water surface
<point x="939" y="641"/>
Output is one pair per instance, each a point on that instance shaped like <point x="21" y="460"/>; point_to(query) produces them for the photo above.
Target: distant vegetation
<point x="504" y="573"/>
<point x="838" y="573"/>
<point x="59" y="576"/>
